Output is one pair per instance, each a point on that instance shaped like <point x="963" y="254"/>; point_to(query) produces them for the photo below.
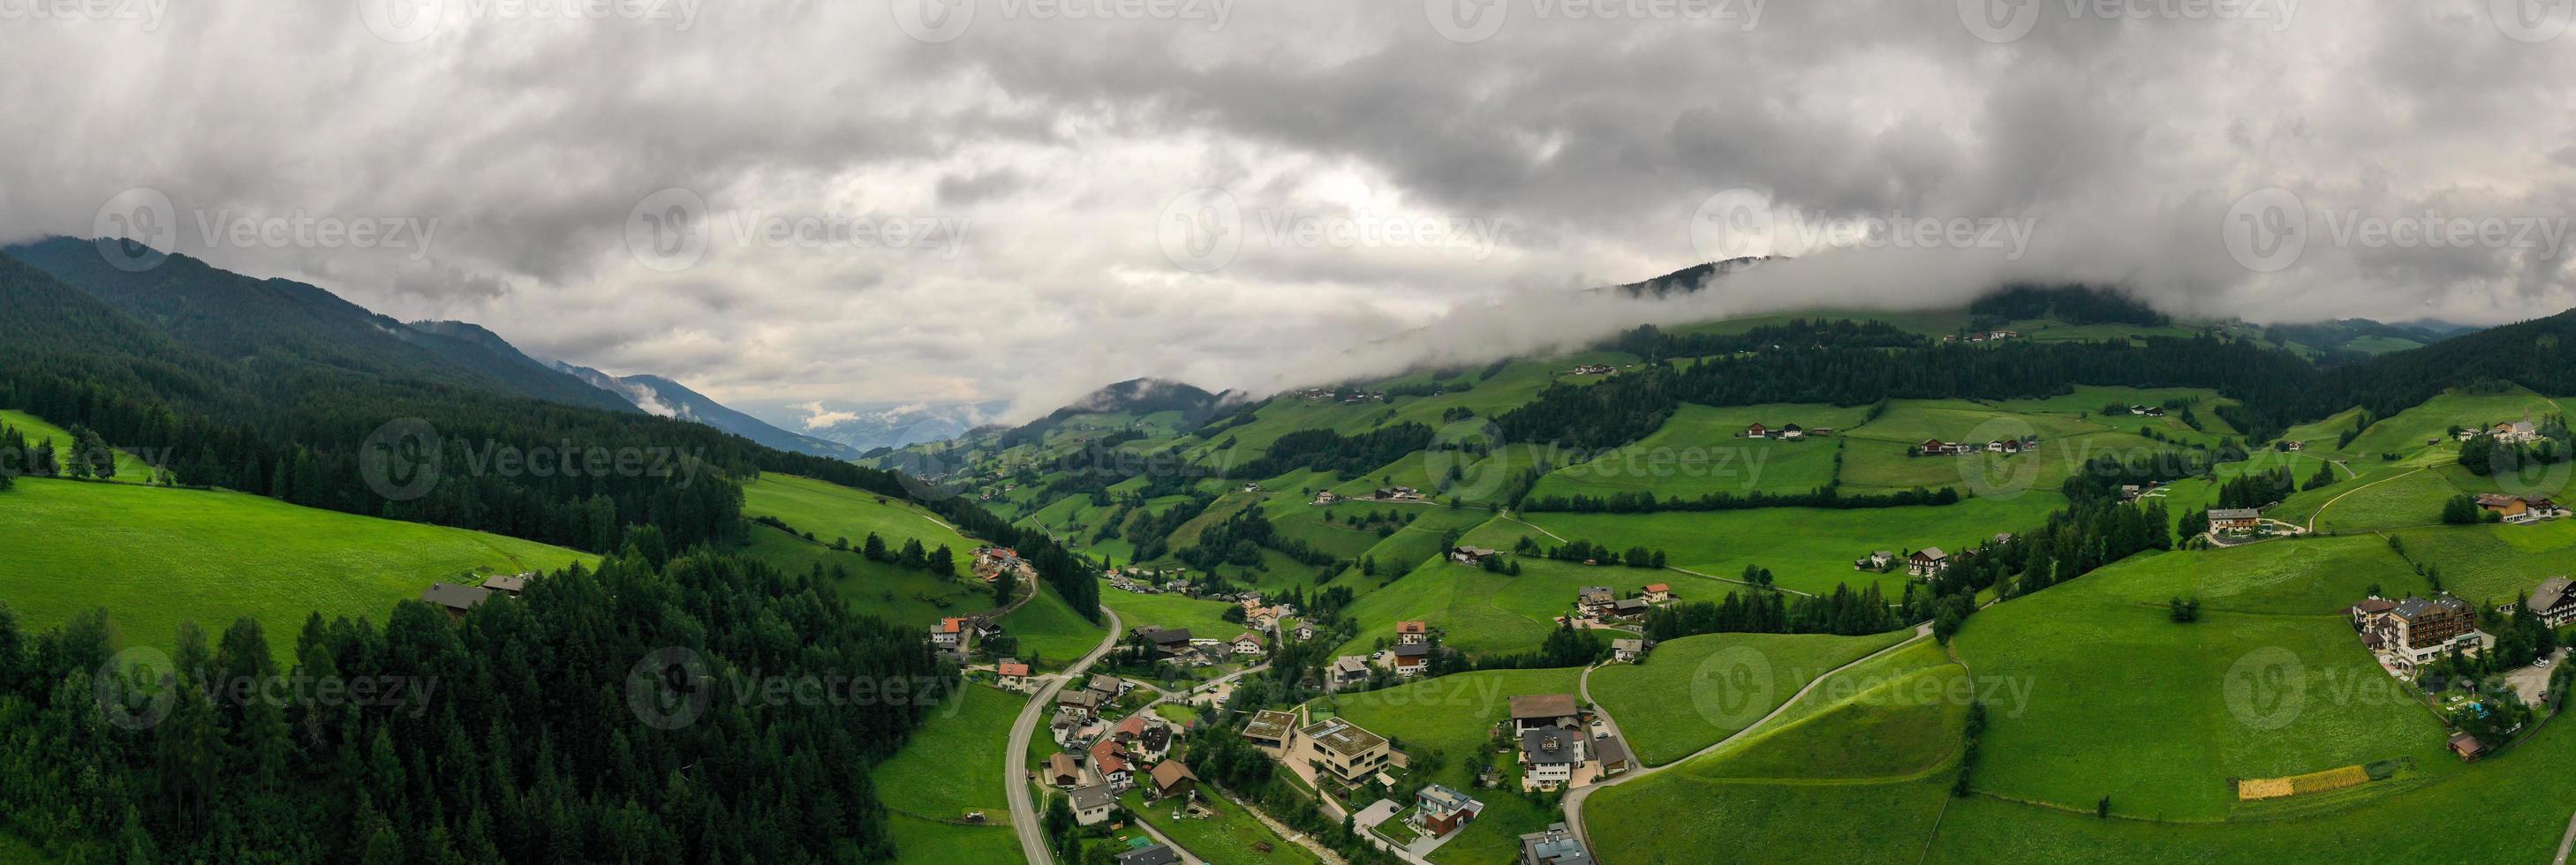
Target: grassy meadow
<point x="1694" y="691"/>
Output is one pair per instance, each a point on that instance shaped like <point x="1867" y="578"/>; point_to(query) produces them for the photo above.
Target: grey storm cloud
<point x="879" y="203"/>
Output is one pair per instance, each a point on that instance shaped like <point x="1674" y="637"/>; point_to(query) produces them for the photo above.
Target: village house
<point x="1078" y="703"/>
<point x="1612" y="756"/>
<point x="1472" y="555"/>
<point x="1171" y="779"/>
<point x="1152" y="745"/>
<point x="1341" y="749"/>
<point x="1091" y="805"/>
<point x="1106" y="688"/>
<point x="1167" y="642"/>
<point x="455" y="599"/>
<point x="2511" y="508"/>
<point x="951" y="634"/>
<point x="1442" y="810"/>
<point x="1304" y="631"/>
<point x="1109" y="761"/>
<point x="1346" y="671"/>
<point x="1154" y="855"/>
<point x="1549" y="755"/>
<point x="1014" y="673"/>
<point x="1628" y="651"/>
<point x="1757" y="431"/>
<point x="1412" y="633"/>
<point x="1658" y="592"/>
<point x="509" y="584"/>
<point x="2467" y="747"/>
<point x="1596" y="601"/>
<point x="2515" y="433"/>
<point x="1411" y="659"/>
<point x="1544" y="711"/>
<point x="1877" y="561"/>
<point x="1271" y="729"/>
<point x="2235" y="519"/>
<point x="2554" y="602"/>
<point x="1397" y="494"/>
<point x="1630" y="608"/>
<point x="1792" y="432"/>
<point x="1063" y="771"/>
<point x="1556" y="846"/>
<point x="2415" y="631"/>
<point x="1246" y="644"/>
<point x="1595" y="369"/>
<point x="1327" y="497"/>
<point x="1927" y="563"/>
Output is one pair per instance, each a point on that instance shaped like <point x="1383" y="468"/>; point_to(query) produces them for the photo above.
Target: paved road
<point x="1574" y="799"/>
<point x="1024" y="813"/>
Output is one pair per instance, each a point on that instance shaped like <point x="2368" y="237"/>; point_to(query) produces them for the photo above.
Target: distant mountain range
<point x="666" y="398"/>
<point x="869" y="426"/>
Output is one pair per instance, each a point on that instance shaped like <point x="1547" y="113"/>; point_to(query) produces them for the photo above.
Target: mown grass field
<point x="1701" y="450"/>
<point x="2124" y="703"/>
<point x="954" y="764"/>
<point x="1051" y="634"/>
<point x="1203" y="618"/>
<point x="2489" y="564"/>
<point x="129" y="469"/>
<point x="1807" y="549"/>
<point x="1451" y="716"/>
<point x="896" y="594"/>
<point x="1694" y="691"/>
<point x="1488" y="613"/>
<point x="156" y="557"/>
<point x="1229" y="836"/>
<point x="1861" y="780"/>
<point x="830" y="511"/>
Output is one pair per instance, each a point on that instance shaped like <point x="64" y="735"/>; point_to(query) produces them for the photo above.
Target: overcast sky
<point x="1023" y="199"/>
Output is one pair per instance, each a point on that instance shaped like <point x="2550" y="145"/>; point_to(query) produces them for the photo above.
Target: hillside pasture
<point x="156" y="557"/>
<point x="1482" y="612"/>
<point x="1702" y="450"/>
<point x="1807" y="549"/>
<point x="897" y="594"/>
<point x="129" y="468"/>
<point x="831" y="511"/>
<point x="1692" y="692"/>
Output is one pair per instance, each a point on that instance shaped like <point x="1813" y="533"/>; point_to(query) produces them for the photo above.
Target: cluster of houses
<point x="2518" y="432"/>
<point x="1381" y="494"/>
<point x="456" y="599"/>
<point x="2520" y="510"/>
<point x="1098" y="767"/>
<point x="1555" y="752"/>
<point x="990" y="563"/>
<point x="960" y="634"/>
<point x="1922" y="564"/>
<point x="2408" y="634"/>
<point x="2007" y="447"/>
<point x="1603" y="604"/>
<point x="2147" y="410"/>
<point x="1594" y="369"/>
<point x="1792" y="432"/>
<point x="1178" y="646"/>
<point x="1986" y="336"/>
<point x="1145" y="582"/>
<point x="1325" y="394"/>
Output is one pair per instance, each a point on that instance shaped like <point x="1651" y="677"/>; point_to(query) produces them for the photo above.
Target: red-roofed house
<point x="1410" y="633"/>
<point x="1658" y="592"/>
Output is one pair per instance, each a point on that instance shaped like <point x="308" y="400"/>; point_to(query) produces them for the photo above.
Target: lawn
<point x="1202" y="618"/>
<point x="1860" y="780"/>
<point x="1451" y="717"/>
<point x="1807" y="549"/>
<point x="2494" y="563"/>
<point x="925" y="842"/>
<point x="831" y="511"/>
<point x="1702" y="450"/>
<point x="2411" y="498"/>
<point x="1489" y="613"/>
<point x="129" y="469"/>
<point x="1694" y="691"/>
<point x="156" y="557"/>
<point x="1051" y="634"/>
<point x="1228" y="837"/>
<point x="953" y="765"/>
<point x="2119" y="701"/>
<point x="2509" y="808"/>
<point x="897" y="594"/>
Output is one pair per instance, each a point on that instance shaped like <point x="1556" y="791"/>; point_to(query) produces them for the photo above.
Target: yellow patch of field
<point x="2301" y="785"/>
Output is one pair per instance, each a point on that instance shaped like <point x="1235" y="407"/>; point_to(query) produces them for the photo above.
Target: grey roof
<point x="455" y="597"/>
<point x="1094" y="796"/>
<point x="1344" y="738"/>
<point x="1628" y="645"/>
<point x="1106" y="684"/>
<point x="1609" y="750"/>
<point x="2235" y="513"/>
<point x="2413" y="608"/>
<point x="1534" y="746"/>
<point x="2551" y="593"/>
<point x="1629" y="605"/>
<point x="1556" y="846"/>
<point x="1933" y="553"/>
<point x="1155" y="855"/>
<point x="1165" y="636"/>
<point x="512" y="583"/>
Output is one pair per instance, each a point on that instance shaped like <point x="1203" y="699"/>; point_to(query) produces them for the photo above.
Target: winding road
<point x="1024" y="812"/>
<point x="1574" y="799"/>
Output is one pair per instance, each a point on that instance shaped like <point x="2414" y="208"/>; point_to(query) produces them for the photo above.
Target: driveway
<point x="2530" y="682"/>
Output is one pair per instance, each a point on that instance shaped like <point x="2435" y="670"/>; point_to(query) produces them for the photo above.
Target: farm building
<point x="2235" y="519"/>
